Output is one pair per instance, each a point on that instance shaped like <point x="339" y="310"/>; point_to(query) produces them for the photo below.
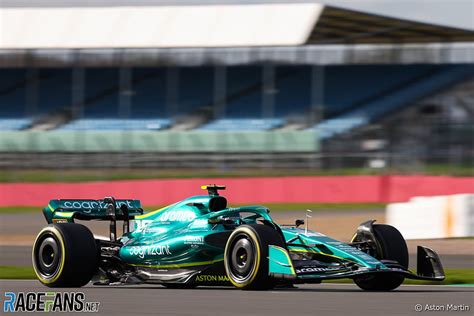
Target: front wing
<point x="281" y="266"/>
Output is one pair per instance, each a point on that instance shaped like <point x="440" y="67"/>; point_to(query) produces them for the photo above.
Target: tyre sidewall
<point x="56" y="234"/>
<point x="262" y="236"/>
<point x="79" y="255"/>
<point x="393" y="247"/>
<point x="250" y="232"/>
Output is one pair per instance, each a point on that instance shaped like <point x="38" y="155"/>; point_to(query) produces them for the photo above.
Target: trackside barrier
<point x="258" y="190"/>
<point x="433" y="217"/>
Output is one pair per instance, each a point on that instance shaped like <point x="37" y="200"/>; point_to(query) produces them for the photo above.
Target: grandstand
<point x="290" y="96"/>
<point x="353" y="96"/>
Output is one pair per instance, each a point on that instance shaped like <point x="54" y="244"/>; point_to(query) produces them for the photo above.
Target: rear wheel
<point x="65" y="255"/>
<point x="246" y="256"/>
<point x="392" y="247"/>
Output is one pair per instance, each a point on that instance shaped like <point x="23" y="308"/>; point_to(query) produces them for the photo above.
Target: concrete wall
<point x="331" y="189"/>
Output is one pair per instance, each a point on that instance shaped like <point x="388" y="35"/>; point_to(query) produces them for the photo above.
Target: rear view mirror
<point x="299" y="222"/>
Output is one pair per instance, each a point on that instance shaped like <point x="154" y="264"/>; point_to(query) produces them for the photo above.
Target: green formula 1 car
<point x="201" y="241"/>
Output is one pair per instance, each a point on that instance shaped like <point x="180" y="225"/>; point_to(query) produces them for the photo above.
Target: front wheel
<point x="65" y="255"/>
<point x="392" y="247"/>
<point x="246" y="256"/>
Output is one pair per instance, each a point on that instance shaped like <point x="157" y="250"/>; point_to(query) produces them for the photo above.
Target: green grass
<point x="456" y="170"/>
<point x="83" y="175"/>
<point x="137" y="174"/>
<point x="19" y="209"/>
<point x="453" y="276"/>
<point x="10" y="272"/>
<point x="274" y="207"/>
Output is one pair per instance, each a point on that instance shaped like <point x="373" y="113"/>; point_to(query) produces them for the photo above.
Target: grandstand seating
<point x="392" y="100"/>
<point x="53" y="91"/>
<point x="245" y="98"/>
<point x="243" y="124"/>
<point x="349" y="87"/>
<point x="12" y="93"/>
<point x="244" y="108"/>
<point x="353" y="96"/>
<point x="147" y="94"/>
<point x="117" y="124"/>
<point x="328" y="128"/>
<point x="9" y="124"/>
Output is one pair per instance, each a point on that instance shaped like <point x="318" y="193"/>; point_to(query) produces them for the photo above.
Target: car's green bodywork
<point x="184" y="242"/>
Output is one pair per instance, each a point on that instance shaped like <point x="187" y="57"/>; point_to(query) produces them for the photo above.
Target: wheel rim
<point x="242" y="258"/>
<point x="47" y="256"/>
<point x="371" y="250"/>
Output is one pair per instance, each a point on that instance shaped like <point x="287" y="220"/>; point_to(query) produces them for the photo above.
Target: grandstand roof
<point x="229" y="25"/>
<point x="232" y="34"/>
<point x="336" y="25"/>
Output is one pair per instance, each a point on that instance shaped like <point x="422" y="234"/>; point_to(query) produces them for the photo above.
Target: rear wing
<point x="68" y="210"/>
<point x="108" y="209"/>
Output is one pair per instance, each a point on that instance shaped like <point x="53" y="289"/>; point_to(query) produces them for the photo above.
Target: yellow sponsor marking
<point x="64" y="214"/>
<point x="154" y="212"/>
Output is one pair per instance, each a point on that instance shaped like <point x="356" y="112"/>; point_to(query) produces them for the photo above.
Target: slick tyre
<point x="393" y="247"/>
<point x="246" y="256"/>
<point x="65" y="255"/>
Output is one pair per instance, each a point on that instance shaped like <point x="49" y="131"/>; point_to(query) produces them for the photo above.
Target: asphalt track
<point x="324" y="299"/>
